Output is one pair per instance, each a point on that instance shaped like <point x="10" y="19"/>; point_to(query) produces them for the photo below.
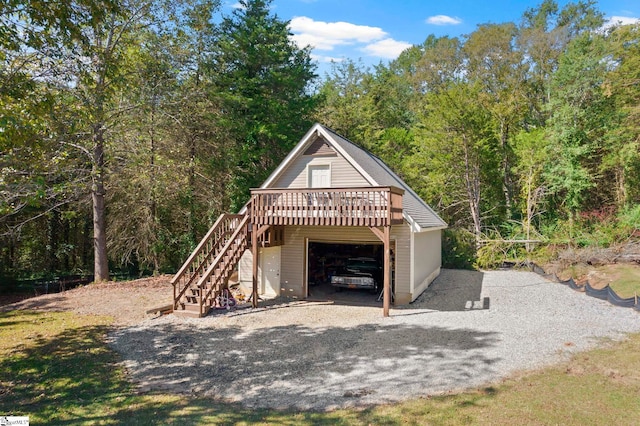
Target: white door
<point x="320" y="176"/>
<point x="270" y="271"/>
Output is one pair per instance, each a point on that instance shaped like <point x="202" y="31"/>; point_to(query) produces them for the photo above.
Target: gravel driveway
<point x="323" y="356"/>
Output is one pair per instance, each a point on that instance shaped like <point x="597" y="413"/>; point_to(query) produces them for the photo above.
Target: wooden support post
<point x="175" y="300"/>
<point x="254" y="252"/>
<point x="385" y="237"/>
<point x="387" y="271"/>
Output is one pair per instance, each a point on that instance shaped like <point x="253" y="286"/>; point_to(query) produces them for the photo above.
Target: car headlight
<point x="337" y="280"/>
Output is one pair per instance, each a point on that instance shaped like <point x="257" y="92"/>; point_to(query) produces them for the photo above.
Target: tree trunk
<point x="506" y="168"/>
<point x="472" y="183"/>
<point x="621" y="188"/>
<point x="53" y="239"/>
<point x="101" y="261"/>
<point x="192" y="191"/>
<point x="530" y="207"/>
<point x="153" y="200"/>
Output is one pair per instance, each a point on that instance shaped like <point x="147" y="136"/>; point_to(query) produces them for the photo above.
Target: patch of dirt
<point x="602" y="276"/>
<point x="599" y="266"/>
<point x="597" y="276"/>
<point x="125" y="301"/>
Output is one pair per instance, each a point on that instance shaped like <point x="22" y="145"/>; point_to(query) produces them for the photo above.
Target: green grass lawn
<point x="56" y="369"/>
<point x="623" y="278"/>
<point x="627" y="281"/>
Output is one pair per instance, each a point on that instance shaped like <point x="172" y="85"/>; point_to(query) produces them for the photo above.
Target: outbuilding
<point x="329" y="201"/>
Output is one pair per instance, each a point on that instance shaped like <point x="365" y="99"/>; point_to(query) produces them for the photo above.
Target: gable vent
<point x="320" y="148"/>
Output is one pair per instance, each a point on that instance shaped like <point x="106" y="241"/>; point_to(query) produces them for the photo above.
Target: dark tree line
<point x="128" y="126"/>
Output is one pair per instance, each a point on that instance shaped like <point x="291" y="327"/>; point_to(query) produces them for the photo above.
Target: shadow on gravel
<point x="453" y="290"/>
<point x="306" y="368"/>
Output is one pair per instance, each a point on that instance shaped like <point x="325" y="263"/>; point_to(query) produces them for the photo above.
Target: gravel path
<point x="321" y="356"/>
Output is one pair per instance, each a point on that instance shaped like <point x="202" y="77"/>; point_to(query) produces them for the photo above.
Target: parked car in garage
<point x="359" y="273"/>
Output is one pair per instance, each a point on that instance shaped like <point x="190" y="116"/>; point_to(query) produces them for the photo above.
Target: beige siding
<point x="401" y="234"/>
<point x="427" y="260"/>
<point x="343" y="174"/>
<point x="293" y="267"/>
<point x="245" y="272"/>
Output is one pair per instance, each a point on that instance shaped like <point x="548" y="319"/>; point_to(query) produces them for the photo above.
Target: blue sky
<point x="378" y="30"/>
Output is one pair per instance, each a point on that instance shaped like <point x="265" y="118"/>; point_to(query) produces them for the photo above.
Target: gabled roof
<point x="417" y="213"/>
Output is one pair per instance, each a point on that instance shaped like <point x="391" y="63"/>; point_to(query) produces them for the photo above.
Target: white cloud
<point x="327" y="59"/>
<point x="620" y="20"/>
<point x="443" y="20"/>
<point x="387" y="48"/>
<point x="338" y="36"/>
<point x="316" y="42"/>
<point x="326" y="35"/>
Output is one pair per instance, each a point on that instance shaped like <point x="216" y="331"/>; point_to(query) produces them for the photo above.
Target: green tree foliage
<point x="262" y="79"/>
<point x="531" y="153"/>
<point x="128" y="126"/>
<point x="164" y="194"/>
<point x="347" y="107"/>
<point x="581" y="115"/>
<point x="509" y="130"/>
<point x="493" y="61"/>
<point x="622" y="84"/>
<point x="143" y="111"/>
<point x="459" y="150"/>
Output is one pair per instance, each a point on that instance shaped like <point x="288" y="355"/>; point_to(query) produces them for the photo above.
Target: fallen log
<point x="161" y="310"/>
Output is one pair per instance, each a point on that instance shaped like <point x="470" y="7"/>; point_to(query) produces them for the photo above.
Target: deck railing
<point x="368" y="206"/>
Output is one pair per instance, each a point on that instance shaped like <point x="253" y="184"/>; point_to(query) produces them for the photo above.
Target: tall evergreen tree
<point x="346" y="107"/>
<point x="262" y="79"/>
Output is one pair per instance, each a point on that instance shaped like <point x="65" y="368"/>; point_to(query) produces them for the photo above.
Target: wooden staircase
<point x="208" y="268"/>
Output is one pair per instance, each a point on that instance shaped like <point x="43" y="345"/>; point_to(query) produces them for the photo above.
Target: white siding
<point x="343" y="174"/>
<point x="293" y="268"/>
<point x="427" y="258"/>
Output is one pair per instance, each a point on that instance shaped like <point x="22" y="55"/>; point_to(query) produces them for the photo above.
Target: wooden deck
<point x="368" y="206"/>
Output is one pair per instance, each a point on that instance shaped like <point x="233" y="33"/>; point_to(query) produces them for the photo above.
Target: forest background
<point x="128" y="126"/>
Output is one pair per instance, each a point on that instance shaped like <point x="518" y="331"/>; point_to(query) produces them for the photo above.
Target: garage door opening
<point x="347" y="272"/>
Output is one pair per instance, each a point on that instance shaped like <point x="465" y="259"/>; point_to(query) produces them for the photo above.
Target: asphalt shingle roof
<point x="413" y="205"/>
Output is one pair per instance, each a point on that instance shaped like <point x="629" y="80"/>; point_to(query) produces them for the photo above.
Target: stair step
<point x="191" y="307"/>
<point x="194" y="300"/>
<point x="190" y="314"/>
<point x="218" y="238"/>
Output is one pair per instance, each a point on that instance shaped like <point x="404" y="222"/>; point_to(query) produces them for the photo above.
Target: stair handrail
<point x="200" y="247"/>
<point x="225" y="272"/>
<point x="241" y="226"/>
<point x="178" y="289"/>
<point x="226" y="267"/>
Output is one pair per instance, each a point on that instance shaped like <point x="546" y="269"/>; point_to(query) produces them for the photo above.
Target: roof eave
<point x="284" y="163"/>
<point x="417" y="228"/>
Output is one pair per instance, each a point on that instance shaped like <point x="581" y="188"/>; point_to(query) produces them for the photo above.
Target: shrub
<point x="458" y="249"/>
<point x="493" y="254"/>
<point x="629" y="218"/>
